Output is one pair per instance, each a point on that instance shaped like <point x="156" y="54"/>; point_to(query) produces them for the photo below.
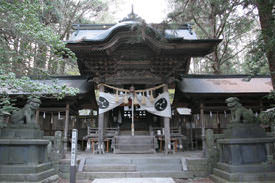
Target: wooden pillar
<point x="66" y="127"/>
<point x="106" y="120"/>
<point x="191" y="133"/>
<point x="100" y="128"/>
<point x="261" y="105"/>
<point x="37" y="117"/>
<point x="202" y="130"/>
<point x="167" y="129"/>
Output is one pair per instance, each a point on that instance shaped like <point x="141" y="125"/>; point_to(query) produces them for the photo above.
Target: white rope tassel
<point x="151" y="96"/>
<point x="44" y="115"/>
<point x="126" y="98"/>
<point x="59" y="116"/>
<point x="143" y="101"/>
<point x="135" y="98"/>
<point x="52" y="118"/>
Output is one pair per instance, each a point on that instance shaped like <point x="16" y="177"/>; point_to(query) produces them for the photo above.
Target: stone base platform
<point x="28" y="173"/>
<point x="24" y="156"/>
<point x="23" y="132"/>
<point x="251" y="173"/>
<point x="23" y="151"/>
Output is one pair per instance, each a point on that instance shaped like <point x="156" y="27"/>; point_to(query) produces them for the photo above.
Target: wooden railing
<point x="108" y="133"/>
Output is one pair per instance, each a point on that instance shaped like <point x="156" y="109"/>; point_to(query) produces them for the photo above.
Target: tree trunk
<point x="41" y="59"/>
<point x="267" y="25"/>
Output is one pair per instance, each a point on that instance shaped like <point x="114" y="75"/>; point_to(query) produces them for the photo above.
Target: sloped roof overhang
<point x="84" y="99"/>
<point x="127" y="33"/>
<point x="212" y="90"/>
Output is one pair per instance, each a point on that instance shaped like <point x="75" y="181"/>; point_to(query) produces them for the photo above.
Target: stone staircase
<point x="252" y="173"/>
<point x="117" y="167"/>
<point x="139" y="144"/>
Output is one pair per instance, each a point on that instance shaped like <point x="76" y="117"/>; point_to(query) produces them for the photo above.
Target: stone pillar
<point x="100" y="128"/>
<point x="167" y="129"/>
<point x="202" y="130"/>
<point x="66" y="127"/>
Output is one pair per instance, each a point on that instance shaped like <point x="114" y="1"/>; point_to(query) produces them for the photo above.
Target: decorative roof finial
<point x="132" y="10"/>
<point x="132" y="16"/>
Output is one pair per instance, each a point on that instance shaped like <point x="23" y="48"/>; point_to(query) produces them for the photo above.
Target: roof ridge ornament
<point x="132" y="16"/>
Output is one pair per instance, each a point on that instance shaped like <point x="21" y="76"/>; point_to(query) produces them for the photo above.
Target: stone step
<point x="134" y="144"/>
<point x="93" y="175"/>
<point x="157" y="160"/>
<point x="15" y="169"/>
<point x="108" y="161"/>
<point x="128" y="133"/>
<point x="27" y="177"/>
<point x="134" y="150"/>
<point x="250" y="168"/>
<point x="133" y="160"/>
<point x="110" y="168"/>
<point x="217" y="179"/>
<point x="244" y="176"/>
<point x="159" y="167"/>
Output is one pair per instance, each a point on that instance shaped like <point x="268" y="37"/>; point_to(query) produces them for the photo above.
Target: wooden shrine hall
<point x="134" y="58"/>
<point x="129" y="68"/>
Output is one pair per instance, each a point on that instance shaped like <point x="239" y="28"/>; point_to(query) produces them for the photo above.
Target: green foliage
<point x="25" y="39"/>
<point x="255" y="62"/>
<point x="10" y="84"/>
<point x="31" y="38"/>
<point x="268" y="116"/>
<point x="218" y="19"/>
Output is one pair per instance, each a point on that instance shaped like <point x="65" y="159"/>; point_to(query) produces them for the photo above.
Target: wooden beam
<point x="52" y="109"/>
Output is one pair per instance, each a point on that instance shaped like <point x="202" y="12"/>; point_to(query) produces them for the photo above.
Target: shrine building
<point x="129" y="72"/>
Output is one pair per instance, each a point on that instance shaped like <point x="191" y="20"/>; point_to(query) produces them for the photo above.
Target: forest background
<point x="32" y="35"/>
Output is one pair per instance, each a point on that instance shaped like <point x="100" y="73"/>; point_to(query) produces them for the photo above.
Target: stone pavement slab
<point x="135" y="180"/>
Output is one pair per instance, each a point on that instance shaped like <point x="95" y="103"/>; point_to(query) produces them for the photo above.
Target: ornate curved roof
<point x="101" y="35"/>
<point x="133" y="52"/>
<point x="160" y="38"/>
